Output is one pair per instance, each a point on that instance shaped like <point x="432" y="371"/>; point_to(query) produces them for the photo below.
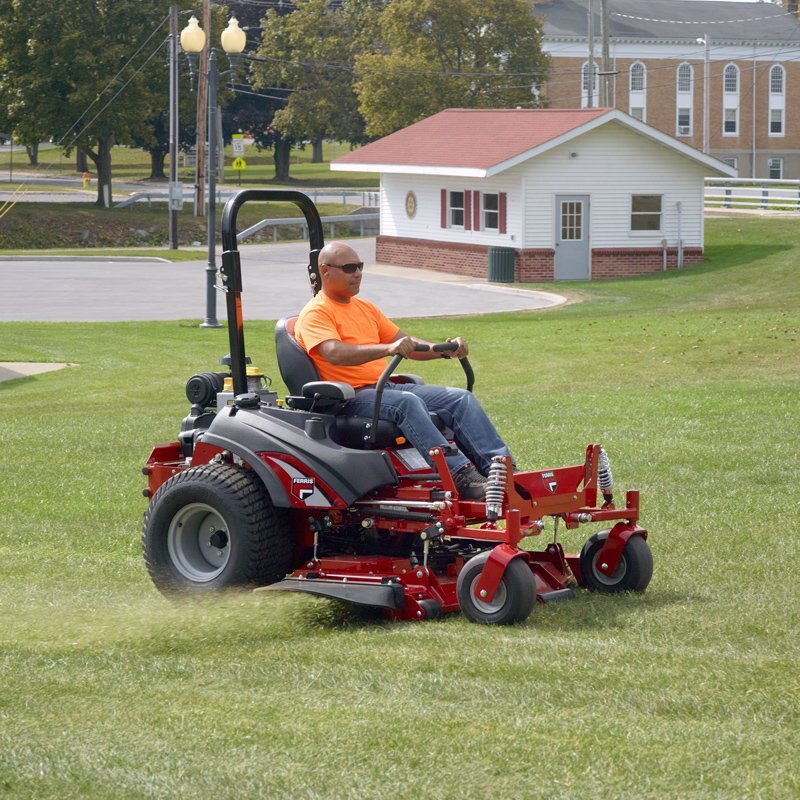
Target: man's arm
<point x="351" y="355"/>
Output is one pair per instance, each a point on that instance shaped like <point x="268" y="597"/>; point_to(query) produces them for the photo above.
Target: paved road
<point x="275" y="285"/>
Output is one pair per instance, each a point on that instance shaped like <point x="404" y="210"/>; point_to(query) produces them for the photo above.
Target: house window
<point x="491" y="212"/>
<point x="731" y="80"/>
<point x="731" y="161"/>
<point x="684" y="100"/>
<point x="685" y="78"/>
<point x="775" y="167"/>
<point x="637" y="97"/>
<point x="730" y="101"/>
<point x="777" y="101"/>
<point x="585" y="85"/>
<point x="637" y="77"/>
<point x="684" y="122"/>
<point x="776" y="80"/>
<point x="646" y="212"/>
<point x="457" y="209"/>
<point x="571" y="221"/>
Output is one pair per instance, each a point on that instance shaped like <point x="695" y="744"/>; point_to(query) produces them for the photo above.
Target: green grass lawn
<point x="691" y="690"/>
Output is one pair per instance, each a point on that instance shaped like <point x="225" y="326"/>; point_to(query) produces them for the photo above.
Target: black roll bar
<point x="231" y="270"/>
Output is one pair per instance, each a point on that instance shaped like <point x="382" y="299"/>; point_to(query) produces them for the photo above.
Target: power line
<point x="109" y="84"/>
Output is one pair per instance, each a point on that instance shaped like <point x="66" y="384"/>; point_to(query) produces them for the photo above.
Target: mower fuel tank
<point x="282" y="433"/>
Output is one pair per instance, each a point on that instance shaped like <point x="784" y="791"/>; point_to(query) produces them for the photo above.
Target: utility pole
<point x="202" y="118"/>
<point x="590" y="65"/>
<point x="173" y="127"/>
<point x="706" y="92"/>
<point x="606" y="60"/>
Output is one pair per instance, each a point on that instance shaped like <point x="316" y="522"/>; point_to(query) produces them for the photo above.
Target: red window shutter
<point x="467" y="210"/>
<point x="502" y="204"/>
<point x="476" y="211"/>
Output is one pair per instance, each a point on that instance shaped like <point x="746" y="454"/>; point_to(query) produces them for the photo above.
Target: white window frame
<point x="487" y="213"/>
<point x="684" y="99"/>
<point x="778" y="162"/>
<point x="451" y="208"/>
<point x="730" y="99"/>
<point x="585" y="84"/>
<point x="777" y="101"/>
<point x="634" y="214"/>
<point x="637" y="98"/>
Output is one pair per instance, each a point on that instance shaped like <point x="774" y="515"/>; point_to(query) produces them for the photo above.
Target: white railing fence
<point x="751" y="194"/>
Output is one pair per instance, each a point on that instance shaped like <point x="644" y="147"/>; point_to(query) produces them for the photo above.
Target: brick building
<point x="659" y="53"/>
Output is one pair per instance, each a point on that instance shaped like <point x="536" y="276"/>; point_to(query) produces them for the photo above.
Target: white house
<point x="575" y="193"/>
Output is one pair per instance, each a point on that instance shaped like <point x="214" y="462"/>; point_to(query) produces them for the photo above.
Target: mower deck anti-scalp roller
<point x="286" y="495"/>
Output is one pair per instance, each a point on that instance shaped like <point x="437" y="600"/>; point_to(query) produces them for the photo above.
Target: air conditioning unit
<point x="684" y="130"/>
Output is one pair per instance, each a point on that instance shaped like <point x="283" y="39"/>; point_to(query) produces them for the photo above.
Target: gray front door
<point x="572" y="262"/>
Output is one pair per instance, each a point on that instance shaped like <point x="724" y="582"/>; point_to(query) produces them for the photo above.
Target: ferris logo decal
<point x="551" y="484"/>
<point x="303" y="488"/>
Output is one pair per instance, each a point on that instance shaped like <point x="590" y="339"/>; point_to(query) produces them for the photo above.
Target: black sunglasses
<point x="349" y="268"/>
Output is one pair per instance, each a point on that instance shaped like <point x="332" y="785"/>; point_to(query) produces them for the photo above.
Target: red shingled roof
<point x="471" y="138"/>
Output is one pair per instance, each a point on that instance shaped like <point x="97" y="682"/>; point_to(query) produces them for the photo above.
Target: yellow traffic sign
<point x="239" y="163"/>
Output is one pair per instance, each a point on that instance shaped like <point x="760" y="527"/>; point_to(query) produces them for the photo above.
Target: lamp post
<point x="193" y="40"/>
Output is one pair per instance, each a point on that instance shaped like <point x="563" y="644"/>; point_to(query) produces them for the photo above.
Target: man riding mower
<point x="296" y="495"/>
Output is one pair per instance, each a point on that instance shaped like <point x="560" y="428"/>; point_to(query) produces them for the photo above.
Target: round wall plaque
<point x="411" y="205"/>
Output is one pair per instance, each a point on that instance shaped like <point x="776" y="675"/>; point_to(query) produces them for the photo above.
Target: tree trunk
<point x="282" y="157"/>
<point x="81" y="164"/>
<point x="33" y="154"/>
<point x="157" y="165"/>
<point x="102" y="163"/>
<point x="316" y="153"/>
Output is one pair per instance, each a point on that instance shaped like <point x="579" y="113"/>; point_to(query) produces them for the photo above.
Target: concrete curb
<point x="120" y="259"/>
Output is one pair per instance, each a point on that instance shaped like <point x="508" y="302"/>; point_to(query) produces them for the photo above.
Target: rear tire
<point x="214" y="527"/>
<point x="513" y="601"/>
<point x="633" y="573"/>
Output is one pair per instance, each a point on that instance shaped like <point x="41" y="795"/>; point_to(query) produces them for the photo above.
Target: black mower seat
<point x="309" y="392"/>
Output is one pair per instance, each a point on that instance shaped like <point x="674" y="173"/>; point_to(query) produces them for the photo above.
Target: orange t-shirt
<point x="356" y="322"/>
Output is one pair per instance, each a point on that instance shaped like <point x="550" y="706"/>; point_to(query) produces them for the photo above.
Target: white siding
<point x="611" y="164"/>
<point x="426" y="224"/>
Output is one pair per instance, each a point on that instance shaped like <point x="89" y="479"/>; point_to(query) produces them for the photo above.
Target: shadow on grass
<point x="725" y="256"/>
<point x="597" y="611"/>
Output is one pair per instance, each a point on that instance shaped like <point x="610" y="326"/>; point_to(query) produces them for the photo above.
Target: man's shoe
<point x="470" y="484"/>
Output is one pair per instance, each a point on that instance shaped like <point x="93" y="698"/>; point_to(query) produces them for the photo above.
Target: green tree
<point x="78" y="74"/>
<point x="309" y="55"/>
<point x="462" y="53"/>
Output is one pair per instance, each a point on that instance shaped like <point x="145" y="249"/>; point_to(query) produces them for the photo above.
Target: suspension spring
<point x="604" y="477"/>
<point x="495" y="488"/>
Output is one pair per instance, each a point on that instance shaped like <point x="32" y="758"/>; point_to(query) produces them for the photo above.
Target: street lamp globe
<point x="193" y="37"/>
<point x="233" y="37"/>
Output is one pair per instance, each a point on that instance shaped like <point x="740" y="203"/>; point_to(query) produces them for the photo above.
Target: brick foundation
<point x="627" y="262"/>
<point x="533" y="265"/>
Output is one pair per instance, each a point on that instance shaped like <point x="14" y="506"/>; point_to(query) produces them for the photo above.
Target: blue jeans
<point x="407" y="406"/>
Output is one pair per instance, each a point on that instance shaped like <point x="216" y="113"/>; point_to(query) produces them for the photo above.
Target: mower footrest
<point x="558" y="594"/>
<point x="378" y="595"/>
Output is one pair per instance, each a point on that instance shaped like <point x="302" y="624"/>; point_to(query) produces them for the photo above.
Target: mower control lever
<point x="392" y="366"/>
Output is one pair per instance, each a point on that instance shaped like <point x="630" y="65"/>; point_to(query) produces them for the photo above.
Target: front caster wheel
<point x="633" y="573"/>
<point x="513" y="601"/>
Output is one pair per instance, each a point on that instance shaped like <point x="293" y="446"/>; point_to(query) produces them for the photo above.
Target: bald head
<point x="337" y="253"/>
